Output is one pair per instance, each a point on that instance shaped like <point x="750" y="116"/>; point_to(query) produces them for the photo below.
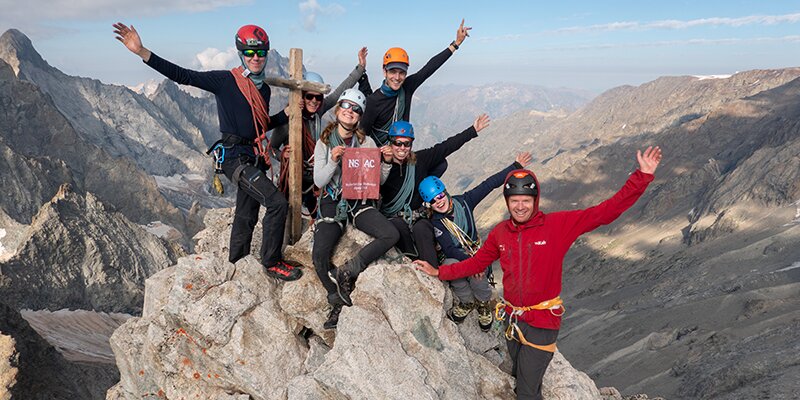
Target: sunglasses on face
<point x="439" y="196"/>
<point x="346" y="105"/>
<point x="251" y="53"/>
<point x="401" y="144"/>
<point x="309" y="97"/>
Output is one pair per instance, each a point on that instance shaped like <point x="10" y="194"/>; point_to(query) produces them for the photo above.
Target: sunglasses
<point x="401" y="144"/>
<point x="251" y="53"/>
<point x="309" y="97"/>
<point x="346" y="105"/>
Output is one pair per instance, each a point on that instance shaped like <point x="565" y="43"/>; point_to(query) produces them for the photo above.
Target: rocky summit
<point x="211" y="329"/>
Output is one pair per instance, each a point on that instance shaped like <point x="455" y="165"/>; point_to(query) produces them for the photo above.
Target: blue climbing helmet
<point x="430" y="187"/>
<point x="402" y="129"/>
<point x="313" y="77"/>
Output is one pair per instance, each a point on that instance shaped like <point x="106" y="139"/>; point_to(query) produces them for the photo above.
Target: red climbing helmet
<point x="251" y="37"/>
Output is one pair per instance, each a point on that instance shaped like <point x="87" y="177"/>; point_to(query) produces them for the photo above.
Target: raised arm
<point x="206" y="80"/>
<point x="478" y="193"/>
<point x="347" y="83"/>
<point x="439" y="152"/>
<point x="583" y="221"/>
<point x="130" y="38"/>
<point x="415" y="80"/>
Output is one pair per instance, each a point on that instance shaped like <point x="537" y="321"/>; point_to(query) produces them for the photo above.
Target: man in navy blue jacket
<point x="242" y="107"/>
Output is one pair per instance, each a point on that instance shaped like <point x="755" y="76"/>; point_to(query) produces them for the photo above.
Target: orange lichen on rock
<point x="187" y="361"/>
<point x="188" y="286"/>
<point x="141" y="372"/>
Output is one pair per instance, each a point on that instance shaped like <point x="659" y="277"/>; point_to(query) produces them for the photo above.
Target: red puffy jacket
<point x="532" y="254"/>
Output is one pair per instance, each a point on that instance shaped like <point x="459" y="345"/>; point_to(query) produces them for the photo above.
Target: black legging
<point x="327" y="233"/>
<point x="256" y="189"/>
<point x="418" y="241"/>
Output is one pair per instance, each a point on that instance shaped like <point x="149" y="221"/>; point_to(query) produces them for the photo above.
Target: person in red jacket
<point x="531" y="246"/>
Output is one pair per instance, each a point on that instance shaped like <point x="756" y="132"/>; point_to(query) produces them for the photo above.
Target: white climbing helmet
<point x="355" y="96"/>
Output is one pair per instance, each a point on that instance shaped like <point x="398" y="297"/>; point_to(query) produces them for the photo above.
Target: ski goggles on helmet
<point x="346" y="105"/>
<point x="250" y="53"/>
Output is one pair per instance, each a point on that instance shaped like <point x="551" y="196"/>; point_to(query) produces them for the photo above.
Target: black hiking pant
<point x="255" y="189"/>
<point x="530" y="363"/>
<point x="417" y="241"/>
<point x="366" y="218"/>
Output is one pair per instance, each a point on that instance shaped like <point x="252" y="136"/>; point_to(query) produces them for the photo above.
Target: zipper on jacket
<point x="522" y="271"/>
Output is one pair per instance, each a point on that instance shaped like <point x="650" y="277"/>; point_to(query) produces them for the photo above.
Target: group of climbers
<point x="415" y="211"/>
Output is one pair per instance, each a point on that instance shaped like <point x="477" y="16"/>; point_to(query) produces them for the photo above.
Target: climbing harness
<point x="513" y="331"/>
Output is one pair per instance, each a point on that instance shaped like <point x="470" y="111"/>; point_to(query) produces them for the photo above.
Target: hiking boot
<point x="485" y="315"/>
<point x="285" y="271"/>
<point x="458" y="313"/>
<point x="346" y="276"/>
<point x="333" y="317"/>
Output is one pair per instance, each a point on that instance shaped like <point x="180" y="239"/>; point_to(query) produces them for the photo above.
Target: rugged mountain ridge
<point x="442" y="111"/>
<point x="76" y="254"/>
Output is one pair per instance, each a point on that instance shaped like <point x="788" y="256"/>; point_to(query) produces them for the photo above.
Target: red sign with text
<point x="361" y="173"/>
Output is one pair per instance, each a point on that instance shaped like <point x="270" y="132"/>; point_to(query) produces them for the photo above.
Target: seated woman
<point x="314" y="105"/>
<point x="401" y="202"/>
<point x="334" y="211"/>
<point x="454" y="228"/>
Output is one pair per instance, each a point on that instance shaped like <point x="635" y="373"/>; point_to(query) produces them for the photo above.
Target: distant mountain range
<point x="694" y="293"/>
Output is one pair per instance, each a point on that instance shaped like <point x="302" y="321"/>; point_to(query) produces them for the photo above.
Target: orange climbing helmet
<point x="395" y="58"/>
<point x="251" y="37"/>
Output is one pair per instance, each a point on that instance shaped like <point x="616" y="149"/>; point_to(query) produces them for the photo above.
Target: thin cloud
<point x="216" y="59"/>
<point x="99" y="9"/>
<point x="678" y="24"/>
<point x="500" y="38"/>
<point x="667" y="43"/>
<point x="33" y="16"/>
<point x="311" y="9"/>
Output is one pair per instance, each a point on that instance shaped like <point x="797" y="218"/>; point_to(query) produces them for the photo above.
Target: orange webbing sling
<point x="513" y="332"/>
<point x="260" y="110"/>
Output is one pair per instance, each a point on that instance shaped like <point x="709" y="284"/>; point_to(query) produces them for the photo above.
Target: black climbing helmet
<point x="522" y="182"/>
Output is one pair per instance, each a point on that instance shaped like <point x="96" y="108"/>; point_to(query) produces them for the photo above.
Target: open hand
<point x="481" y="122"/>
<point x="362" y="57"/>
<point x="648" y="162"/>
<point x="130" y="38"/>
<point x="524" y="159"/>
<point x="425" y="267"/>
<point x="462" y="33"/>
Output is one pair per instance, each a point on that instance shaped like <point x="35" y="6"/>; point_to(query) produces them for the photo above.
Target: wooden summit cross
<point x="296" y="86"/>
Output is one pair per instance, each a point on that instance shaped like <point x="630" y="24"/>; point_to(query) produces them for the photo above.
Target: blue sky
<point x="580" y="44"/>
